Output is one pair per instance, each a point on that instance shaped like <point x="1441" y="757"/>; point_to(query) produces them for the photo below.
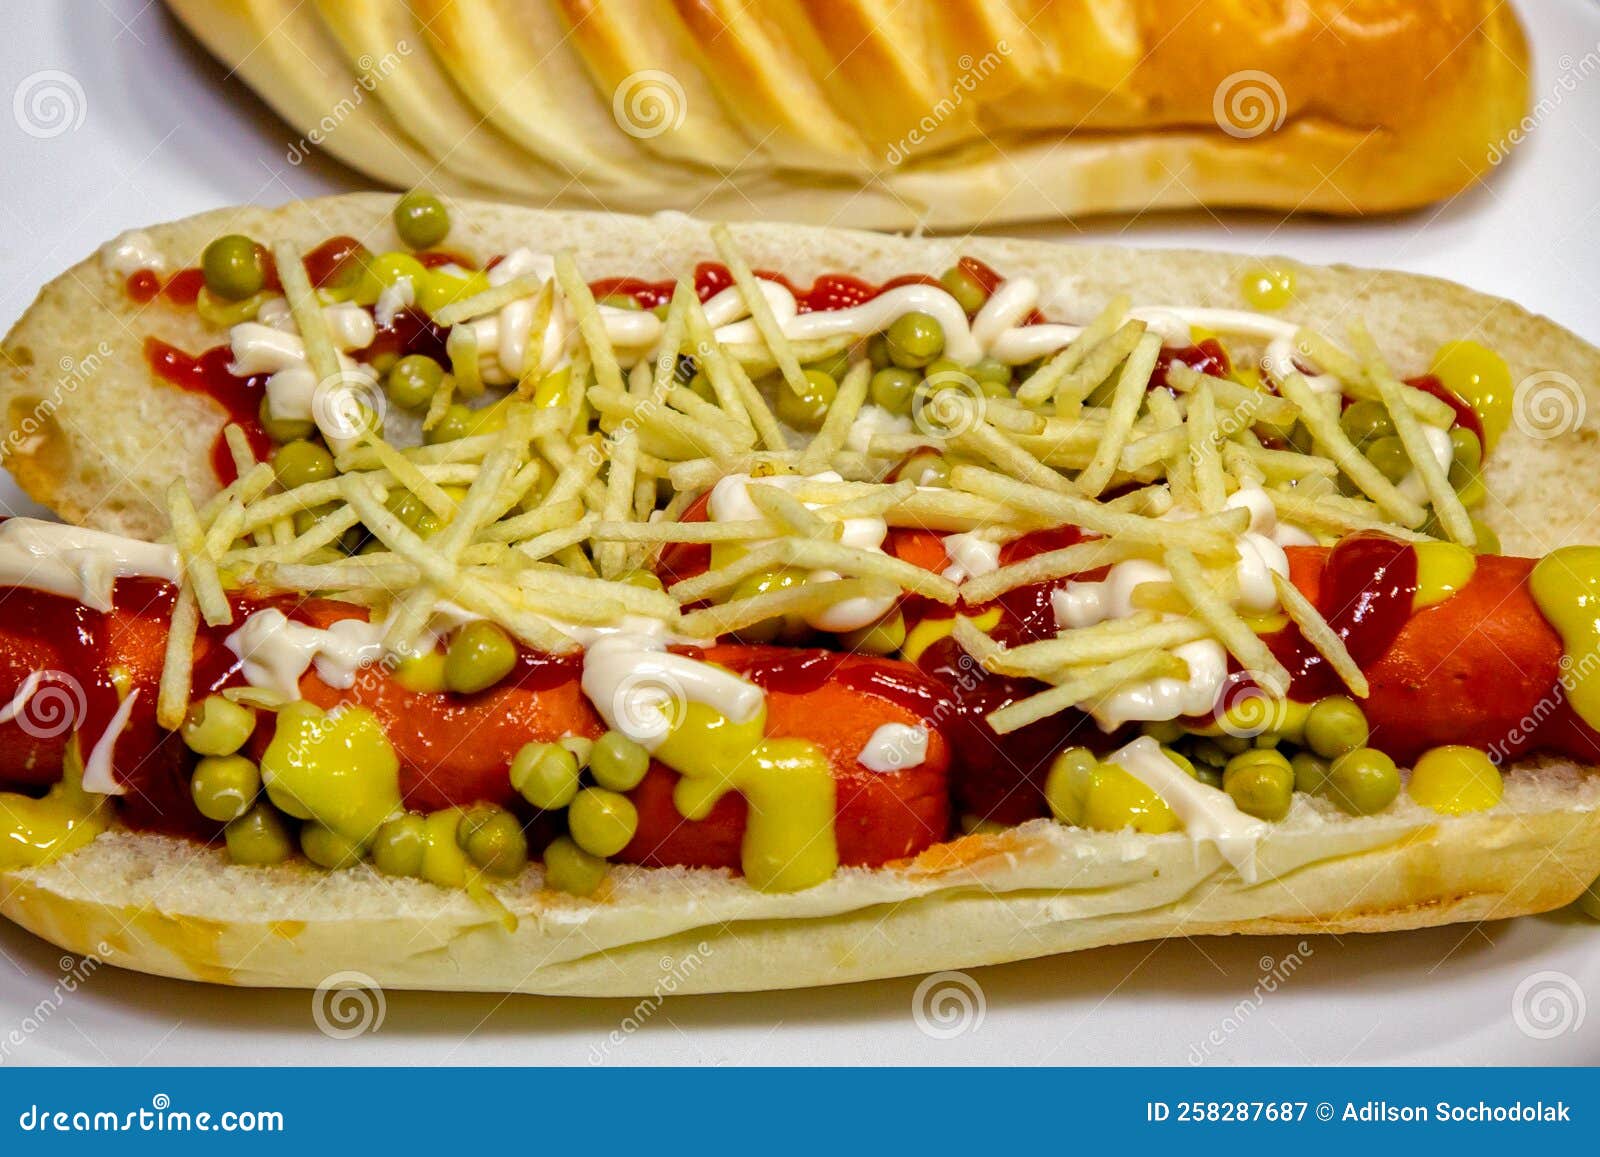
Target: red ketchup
<point x="207" y="373"/>
<point x="1365" y="595"/>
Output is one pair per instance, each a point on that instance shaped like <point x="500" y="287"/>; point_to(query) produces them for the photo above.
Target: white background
<point x="164" y="134"/>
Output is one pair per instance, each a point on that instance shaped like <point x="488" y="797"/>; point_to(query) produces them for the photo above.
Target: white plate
<point x="164" y="133"/>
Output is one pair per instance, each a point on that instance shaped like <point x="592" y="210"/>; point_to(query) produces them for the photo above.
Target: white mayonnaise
<point x="276" y="651"/>
<point x="895" y="747"/>
<point x="1444" y="453"/>
<point x="1207" y="813"/>
<point x="78" y="563"/>
<point x="1261" y="555"/>
<point x="97" y="770"/>
<point x="638" y="686"/>
<point x="129" y="252"/>
<point x="730" y="502"/>
<point x="273" y="348"/>
<point x="872" y="420"/>
<point x="971" y="556"/>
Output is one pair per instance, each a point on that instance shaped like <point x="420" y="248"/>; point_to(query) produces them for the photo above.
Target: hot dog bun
<point x="93" y="435"/>
<point x="162" y="906"/>
<point x="103" y="448"/>
<point x="893" y="115"/>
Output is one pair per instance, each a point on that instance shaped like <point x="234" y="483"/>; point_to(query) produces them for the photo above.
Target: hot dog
<point x="912" y="598"/>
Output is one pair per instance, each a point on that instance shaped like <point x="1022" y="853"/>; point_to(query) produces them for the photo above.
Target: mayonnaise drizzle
<point x="639" y="687"/>
<point x="276" y="651"/>
<point x="894" y="747"/>
<point x="97" y="770"/>
<point x="271" y="347"/>
<point x="78" y="563"/>
<point x="129" y="252"/>
<point x="1207" y="814"/>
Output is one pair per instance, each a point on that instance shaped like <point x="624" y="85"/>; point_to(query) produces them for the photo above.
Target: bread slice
<point x="92" y="433"/>
<point x="170" y="907"/>
<point x="103" y="449"/>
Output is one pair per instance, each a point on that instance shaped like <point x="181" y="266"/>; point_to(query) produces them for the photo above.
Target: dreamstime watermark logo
<point x="947" y="404"/>
<point x="675" y="973"/>
<point x="973" y="73"/>
<point x="22" y="436"/>
<point x="349" y="405"/>
<point x="948" y="1004"/>
<point x="1245" y="709"/>
<point x="1571" y="72"/>
<point x="75" y="970"/>
<point x="648" y="702"/>
<point x="1572" y="674"/>
<point x="1274" y="973"/>
<point x="371" y="71"/>
<point x="1548" y="404"/>
<point x="1548" y="1004"/>
<point x="47" y="705"/>
<point x="48" y="103"/>
<point x="1249" y="103"/>
<point x="648" y="103"/>
<point x="348" y="1004"/>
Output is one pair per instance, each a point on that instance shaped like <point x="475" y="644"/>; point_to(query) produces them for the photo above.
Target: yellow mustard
<point x="1455" y="780"/>
<point x="1443" y="568"/>
<point x="929" y="631"/>
<point x="1565" y="585"/>
<point x="36" y="831"/>
<point x="1480" y="378"/>
<point x="334" y="767"/>
<point x="1267" y="287"/>
<point x="789" y="839"/>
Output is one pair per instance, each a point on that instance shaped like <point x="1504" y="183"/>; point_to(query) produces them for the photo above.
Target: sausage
<point x="837" y="702"/>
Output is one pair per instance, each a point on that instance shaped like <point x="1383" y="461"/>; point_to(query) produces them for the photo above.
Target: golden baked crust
<point x="894" y="113"/>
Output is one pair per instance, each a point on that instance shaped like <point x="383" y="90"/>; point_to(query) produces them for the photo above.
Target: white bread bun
<point x="91" y="433"/>
<point x="104" y="448"/>
<point x="938" y="113"/>
<point x="166" y="906"/>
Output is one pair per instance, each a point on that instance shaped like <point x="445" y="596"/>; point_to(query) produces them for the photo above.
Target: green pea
<point x="915" y="339"/>
<point x="224" y="787"/>
<point x="1164" y="731"/>
<point x="399" y="845"/>
<point x="1363" y="781"/>
<point x="1209" y="775"/>
<point x="965" y="288"/>
<point x="1260" y="786"/>
<point x="412" y="511"/>
<point x="329" y="849"/>
<point x="835" y="367"/>
<point x="421" y="219"/>
<point x="233" y="267"/>
<point x="991" y="372"/>
<point x="1310" y="773"/>
<point x="1334" y="726"/>
<point x="619" y="301"/>
<point x="300" y="463"/>
<point x="581" y="747"/>
<point x="568" y="868"/>
<point x="260" y="836"/>
<point x="217" y="726"/>
<point x="1466" y="457"/>
<point x="893" y="388"/>
<point x="602" y="822"/>
<point x="1365" y="421"/>
<point x="1390" y="457"/>
<point x="884" y="637"/>
<point x="946" y="372"/>
<point x="458" y="422"/>
<point x="1207" y="751"/>
<point x="806" y="411"/>
<point x="546" y="775"/>
<point x="1488" y="542"/>
<point x="617" y="762"/>
<point x="492" y="838"/>
<point x="925" y="467"/>
<point x="282" y="430"/>
<point x="1233" y="744"/>
<point x="1067" y="783"/>
<point x="479" y="656"/>
<point x="413" y="380"/>
<point x="878" y="351"/>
